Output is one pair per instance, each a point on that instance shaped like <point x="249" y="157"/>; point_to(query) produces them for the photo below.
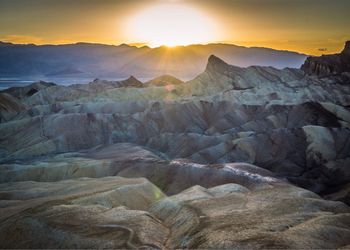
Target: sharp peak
<point x="346" y="49"/>
<point x="215" y="59"/>
<point x="132" y="78"/>
<point x="216" y="64"/>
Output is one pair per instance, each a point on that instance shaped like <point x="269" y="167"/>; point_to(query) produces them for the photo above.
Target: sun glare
<point x="171" y="25"/>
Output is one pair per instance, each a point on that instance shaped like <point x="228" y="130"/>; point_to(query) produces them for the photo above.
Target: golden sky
<point x="307" y="26"/>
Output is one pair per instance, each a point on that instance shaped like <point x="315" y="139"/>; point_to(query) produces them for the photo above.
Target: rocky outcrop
<point x="9" y="107"/>
<point x="27" y="91"/>
<point x="9" y="104"/>
<point x="83" y="213"/>
<point x="130" y="160"/>
<point x="131" y="82"/>
<point x="163" y="80"/>
<point x="329" y="64"/>
<point x="346" y="50"/>
<point x="271" y="217"/>
<point x="217" y="65"/>
<point x="98" y="85"/>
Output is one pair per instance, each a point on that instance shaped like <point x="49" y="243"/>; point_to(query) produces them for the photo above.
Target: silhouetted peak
<point x="215" y="64"/>
<point x="131" y="82"/>
<point x="216" y="60"/>
<point x="346" y="49"/>
<point x="132" y="78"/>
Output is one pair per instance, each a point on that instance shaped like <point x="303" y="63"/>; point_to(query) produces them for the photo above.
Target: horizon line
<point x="145" y="45"/>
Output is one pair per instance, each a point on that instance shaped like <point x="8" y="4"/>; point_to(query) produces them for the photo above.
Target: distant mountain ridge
<point x="100" y="60"/>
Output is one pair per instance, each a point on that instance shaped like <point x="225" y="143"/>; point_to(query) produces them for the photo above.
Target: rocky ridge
<point x="330" y="64"/>
<point x="163" y="80"/>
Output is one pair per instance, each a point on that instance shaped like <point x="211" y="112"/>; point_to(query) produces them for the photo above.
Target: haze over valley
<point x="85" y="60"/>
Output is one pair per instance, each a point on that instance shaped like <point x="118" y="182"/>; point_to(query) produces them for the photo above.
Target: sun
<point x="170" y="25"/>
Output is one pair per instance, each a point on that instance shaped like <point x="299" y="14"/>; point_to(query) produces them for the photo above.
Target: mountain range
<point x="98" y="60"/>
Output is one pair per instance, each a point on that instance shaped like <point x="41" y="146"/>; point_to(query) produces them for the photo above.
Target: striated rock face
<point x="129" y="160"/>
<point x="116" y="212"/>
<point x="83" y="213"/>
<point x="273" y="217"/>
<point x="307" y="143"/>
<point x="9" y="107"/>
<point x="27" y="91"/>
<point x="329" y="64"/>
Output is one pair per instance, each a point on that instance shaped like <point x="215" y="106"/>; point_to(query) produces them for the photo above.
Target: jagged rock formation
<point x="27" y="91"/>
<point x="329" y="64"/>
<point x="294" y="127"/>
<point x="256" y="219"/>
<point x="98" y="85"/>
<point x="129" y="160"/>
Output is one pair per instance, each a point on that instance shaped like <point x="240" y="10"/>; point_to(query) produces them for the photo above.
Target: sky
<point x="308" y="26"/>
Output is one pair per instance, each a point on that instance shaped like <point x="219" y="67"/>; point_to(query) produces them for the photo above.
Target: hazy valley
<point x="84" y="60"/>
